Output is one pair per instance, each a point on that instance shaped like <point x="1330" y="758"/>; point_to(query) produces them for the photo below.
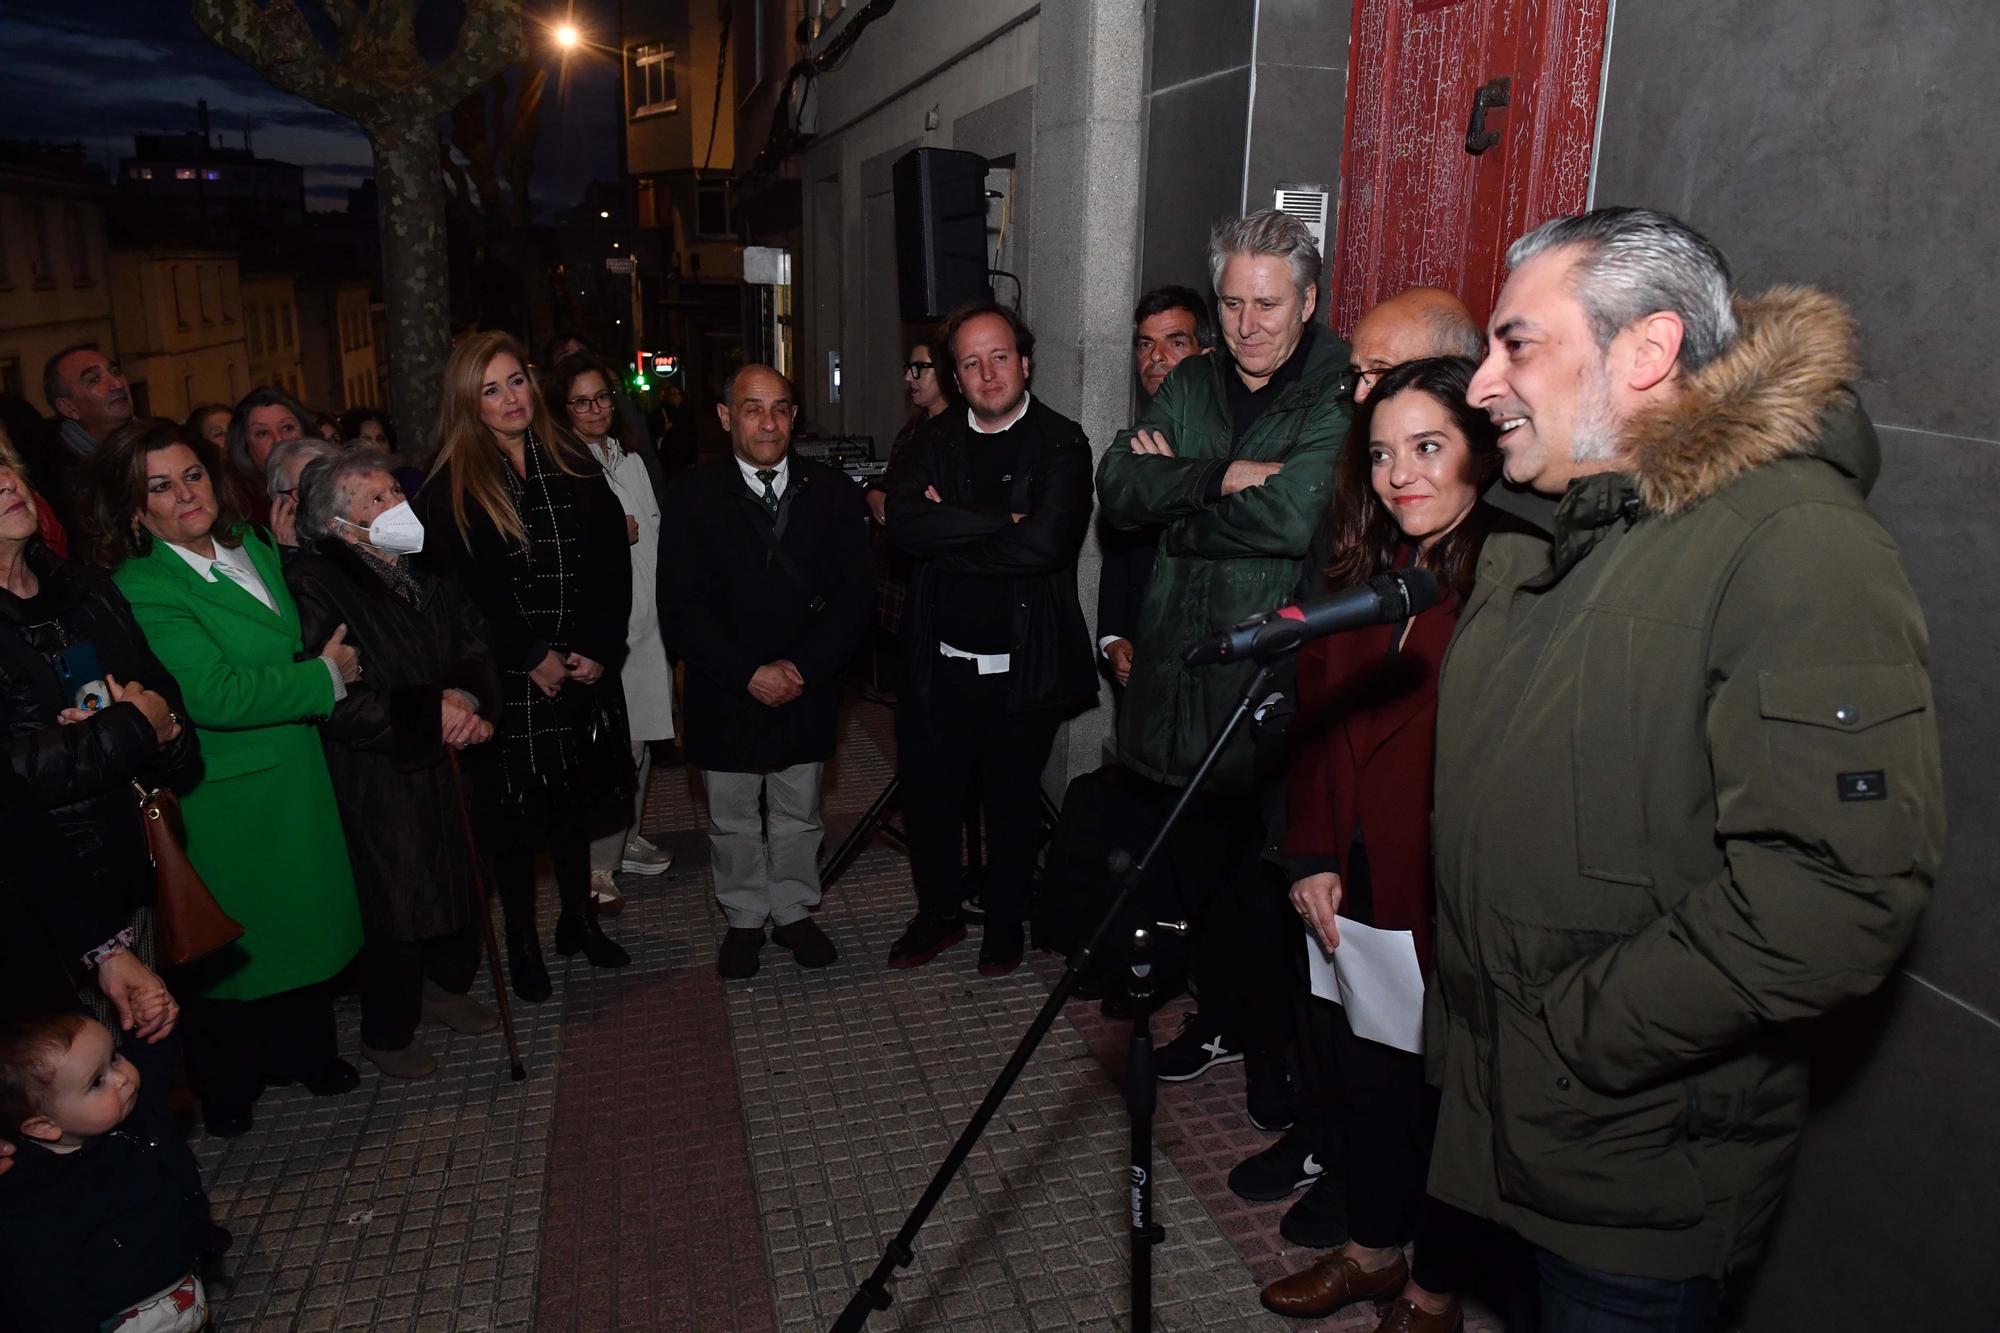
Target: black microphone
<point x="1396" y="595"/>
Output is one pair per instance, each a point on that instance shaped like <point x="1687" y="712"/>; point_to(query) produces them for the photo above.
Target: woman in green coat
<point x="262" y="827"/>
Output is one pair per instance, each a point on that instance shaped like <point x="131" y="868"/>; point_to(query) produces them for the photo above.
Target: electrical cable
<point x="715" y="111"/>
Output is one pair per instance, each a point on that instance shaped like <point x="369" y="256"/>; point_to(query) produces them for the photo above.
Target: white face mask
<point x="396" y="529"/>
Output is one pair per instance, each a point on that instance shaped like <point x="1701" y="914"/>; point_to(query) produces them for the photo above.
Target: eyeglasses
<point x="916" y="369"/>
<point x="602" y="399"/>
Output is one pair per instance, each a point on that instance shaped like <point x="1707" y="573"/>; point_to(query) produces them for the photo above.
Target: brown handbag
<point x="187" y="921"/>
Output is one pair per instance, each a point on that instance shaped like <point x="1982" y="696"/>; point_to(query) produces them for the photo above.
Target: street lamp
<point x="567" y="37"/>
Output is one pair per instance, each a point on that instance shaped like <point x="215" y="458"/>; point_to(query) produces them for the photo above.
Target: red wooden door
<point x="1417" y="206"/>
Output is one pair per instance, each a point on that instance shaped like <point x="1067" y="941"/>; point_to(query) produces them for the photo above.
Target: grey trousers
<point x="765" y="867"/>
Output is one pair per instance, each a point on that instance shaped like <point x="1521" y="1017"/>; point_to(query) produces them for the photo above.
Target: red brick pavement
<point x="650" y="1220"/>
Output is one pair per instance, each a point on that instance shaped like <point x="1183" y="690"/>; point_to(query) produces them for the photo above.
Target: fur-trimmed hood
<point x="1779" y="391"/>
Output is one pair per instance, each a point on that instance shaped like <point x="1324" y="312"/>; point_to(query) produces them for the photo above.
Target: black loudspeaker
<point x="940" y="231"/>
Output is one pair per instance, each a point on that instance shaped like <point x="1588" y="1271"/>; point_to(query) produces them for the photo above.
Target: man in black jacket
<point x="768" y="587"/>
<point x="993" y="506"/>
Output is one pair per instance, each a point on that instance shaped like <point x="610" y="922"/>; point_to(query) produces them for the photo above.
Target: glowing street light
<point x="567" y="37"/>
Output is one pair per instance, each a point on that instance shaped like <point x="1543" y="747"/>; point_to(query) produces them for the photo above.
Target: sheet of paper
<point x="1375" y="977"/>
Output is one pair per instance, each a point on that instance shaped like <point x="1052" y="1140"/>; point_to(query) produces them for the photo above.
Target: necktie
<point x="767" y="475"/>
<point x="240" y="581"/>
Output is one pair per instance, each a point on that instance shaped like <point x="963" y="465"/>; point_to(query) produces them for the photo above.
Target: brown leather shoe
<point x="1333" y="1283"/>
<point x="1403" y="1316"/>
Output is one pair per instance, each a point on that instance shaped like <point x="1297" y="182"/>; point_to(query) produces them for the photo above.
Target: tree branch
<point x="278" y="43"/>
<point x="493" y="36"/>
<point x="341" y="14"/>
<point x="523" y="133"/>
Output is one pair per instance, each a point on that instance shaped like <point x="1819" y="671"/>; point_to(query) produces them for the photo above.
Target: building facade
<point x="177" y="319"/>
<point x="685" y="281"/>
<point x="189" y="189"/>
<point x="271" y="331"/>
<point x="337" y="343"/>
<point x="55" y="281"/>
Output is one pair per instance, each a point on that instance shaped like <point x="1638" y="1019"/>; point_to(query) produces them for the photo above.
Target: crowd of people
<point x="1653" y="779"/>
<point x="373" y="688"/>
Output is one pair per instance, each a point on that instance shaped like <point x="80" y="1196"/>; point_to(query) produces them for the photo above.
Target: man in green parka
<point x="1232" y="458"/>
<point x="1688" y="786"/>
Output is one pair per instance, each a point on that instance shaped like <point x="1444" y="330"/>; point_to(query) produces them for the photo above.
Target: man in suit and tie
<point x="768" y="588"/>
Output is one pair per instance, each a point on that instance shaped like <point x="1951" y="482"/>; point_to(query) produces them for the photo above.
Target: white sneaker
<point x="643" y="858"/>
<point x="605" y="889"/>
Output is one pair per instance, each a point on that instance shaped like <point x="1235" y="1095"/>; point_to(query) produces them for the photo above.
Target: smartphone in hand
<point x="82" y="677"/>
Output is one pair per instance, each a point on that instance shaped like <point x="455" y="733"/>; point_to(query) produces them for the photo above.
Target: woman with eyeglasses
<point x="929" y="393"/>
<point x="928" y="396"/>
<point x="581" y="392"/>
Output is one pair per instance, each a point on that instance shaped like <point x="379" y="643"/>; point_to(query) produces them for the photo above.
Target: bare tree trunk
<point x="374" y="74"/>
<point x="414" y="269"/>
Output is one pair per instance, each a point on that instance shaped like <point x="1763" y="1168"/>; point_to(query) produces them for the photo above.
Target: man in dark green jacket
<point x="1232" y="457"/>
<point x="1688" y="785"/>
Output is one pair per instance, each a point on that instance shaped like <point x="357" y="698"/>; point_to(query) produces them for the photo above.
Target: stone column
<point x="1084" y="247"/>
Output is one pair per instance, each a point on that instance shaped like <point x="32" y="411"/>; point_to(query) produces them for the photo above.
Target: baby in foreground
<point x="102" y="1224"/>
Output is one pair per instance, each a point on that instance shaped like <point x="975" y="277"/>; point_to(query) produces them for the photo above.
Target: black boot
<point x="515" y="876"/>
<point x="577" y="928"/>
<point x="525" y="966"/>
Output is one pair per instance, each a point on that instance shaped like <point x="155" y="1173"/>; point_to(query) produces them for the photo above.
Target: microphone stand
<point x="873" y="1292"/>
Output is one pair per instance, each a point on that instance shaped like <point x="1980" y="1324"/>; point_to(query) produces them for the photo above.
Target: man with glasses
<point x="928" y="396"/>
<point x="1411" y="326"/>
<point x="767" y="590"/>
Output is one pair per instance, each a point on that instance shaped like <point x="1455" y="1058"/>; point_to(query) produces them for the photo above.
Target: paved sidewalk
<point x="690" y="1154"/>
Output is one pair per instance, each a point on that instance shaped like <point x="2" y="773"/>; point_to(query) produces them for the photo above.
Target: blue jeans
<point x="1576" y="1299"/>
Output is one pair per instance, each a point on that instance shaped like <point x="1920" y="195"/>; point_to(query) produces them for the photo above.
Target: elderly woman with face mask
<point x="430" y="692"/>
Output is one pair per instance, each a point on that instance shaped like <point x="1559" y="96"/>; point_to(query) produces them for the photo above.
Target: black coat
<point x="1053" y="662"/>
<point x="732" y="608"/>
<point x="1128" y="563"/>
<point x="384" y="745"/>
<point x="86" y="1234"/>
<point x="82" y="773"/>
<point x="51" y="913"/>
<point x="477" y="558"/>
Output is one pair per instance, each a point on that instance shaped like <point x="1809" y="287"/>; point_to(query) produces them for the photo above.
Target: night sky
<point x="103" y="71"/>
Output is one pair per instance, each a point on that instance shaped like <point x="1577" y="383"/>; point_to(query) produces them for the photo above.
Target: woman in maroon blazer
<point x="1359" y="800"/>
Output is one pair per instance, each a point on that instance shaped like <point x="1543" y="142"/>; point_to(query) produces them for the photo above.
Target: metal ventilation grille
<point x="1307" y="203"/>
